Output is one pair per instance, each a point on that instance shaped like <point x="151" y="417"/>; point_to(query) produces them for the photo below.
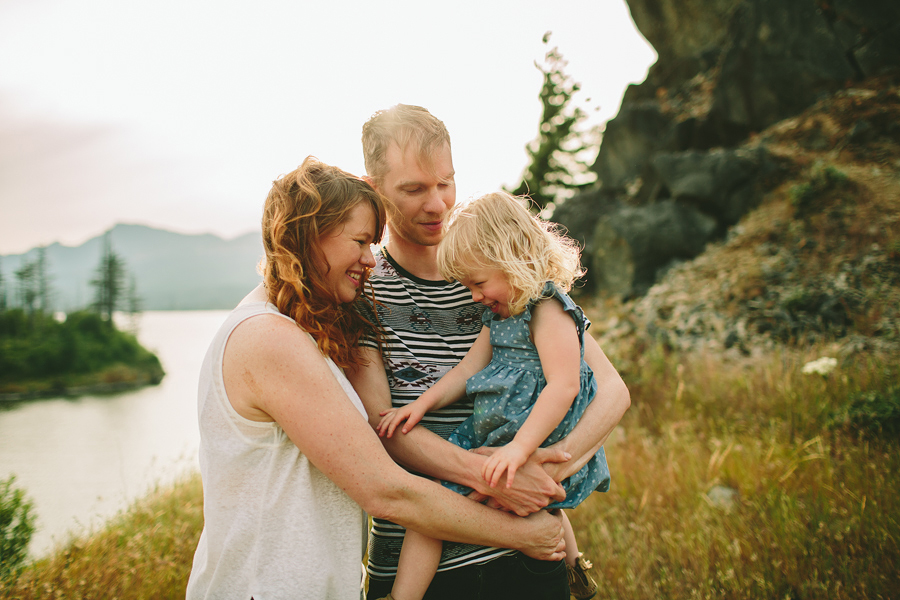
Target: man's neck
<point x="418" y="260"/>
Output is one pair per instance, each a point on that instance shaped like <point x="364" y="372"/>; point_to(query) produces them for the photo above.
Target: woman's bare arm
<point x="428" y="453"/>
<point x="274" y="372"/>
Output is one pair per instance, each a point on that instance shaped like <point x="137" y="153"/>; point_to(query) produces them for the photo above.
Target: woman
<point x="287" y="455"/>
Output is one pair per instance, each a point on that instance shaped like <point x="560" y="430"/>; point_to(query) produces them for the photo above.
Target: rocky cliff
<point x="816" y="264"/>
<point x="684" y="160"/>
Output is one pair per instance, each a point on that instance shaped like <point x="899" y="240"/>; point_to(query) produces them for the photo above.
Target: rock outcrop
<point x="682" y="159"/>
<point x="817" y="264"/>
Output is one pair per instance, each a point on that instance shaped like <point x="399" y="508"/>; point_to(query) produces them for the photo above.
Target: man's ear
<point x="371" y="182"/>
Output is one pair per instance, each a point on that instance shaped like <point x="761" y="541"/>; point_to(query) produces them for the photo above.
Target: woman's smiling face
<point x="347" y="250"/>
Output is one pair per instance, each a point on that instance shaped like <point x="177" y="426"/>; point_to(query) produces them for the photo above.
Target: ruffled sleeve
<point x="551" y="291"/>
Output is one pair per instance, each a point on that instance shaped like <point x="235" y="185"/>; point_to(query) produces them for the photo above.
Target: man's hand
<point x="533" y="488"/>
<point x="549" y="461"/>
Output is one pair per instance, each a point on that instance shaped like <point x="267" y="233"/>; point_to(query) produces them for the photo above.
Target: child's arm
<point x="599" y="419"/>
<point x="556" y="339"/>
<point x="449" y="388"/>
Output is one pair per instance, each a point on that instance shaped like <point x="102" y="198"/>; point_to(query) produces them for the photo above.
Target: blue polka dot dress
<point x="505" y="391"/>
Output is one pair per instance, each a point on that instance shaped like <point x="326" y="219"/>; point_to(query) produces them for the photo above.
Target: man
<point x="430" y="325"/>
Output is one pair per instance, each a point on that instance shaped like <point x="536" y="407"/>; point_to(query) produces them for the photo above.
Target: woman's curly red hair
<point x="301" y="208"/>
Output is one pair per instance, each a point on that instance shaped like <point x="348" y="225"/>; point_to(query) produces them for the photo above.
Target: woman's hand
<point x="548" y="542"/>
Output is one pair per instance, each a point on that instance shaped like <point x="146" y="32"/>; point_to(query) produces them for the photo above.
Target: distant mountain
<point x="173" y="271"/>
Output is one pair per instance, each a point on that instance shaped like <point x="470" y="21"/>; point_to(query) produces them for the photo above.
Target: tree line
<point x="51" y="352"/>
<point x="114" y="288"/>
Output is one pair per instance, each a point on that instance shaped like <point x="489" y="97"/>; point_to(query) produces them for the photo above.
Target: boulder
<point x="722" y="183"/>
<point x="638" y="131"/>
<point x="579" y="215"/>
<point x="632" y="245"/>
<point x="869" y="31"/>
<point x="686" y="35"/>
<point x="781" y="57"/>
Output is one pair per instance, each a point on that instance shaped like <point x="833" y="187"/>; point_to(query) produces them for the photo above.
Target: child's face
<point x="491" y="288"/>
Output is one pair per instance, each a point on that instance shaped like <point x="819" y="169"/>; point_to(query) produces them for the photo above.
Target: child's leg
<point x="419" y="560"/>
<point x="571" y="543"/>
<point x="581" y="583"/>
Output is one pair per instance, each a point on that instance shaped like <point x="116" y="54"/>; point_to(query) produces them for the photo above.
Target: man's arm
<point x="599" y="419"/>
<point x="429" y="454"/>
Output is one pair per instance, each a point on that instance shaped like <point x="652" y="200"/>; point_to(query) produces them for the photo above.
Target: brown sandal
<point x="581" y="585"/>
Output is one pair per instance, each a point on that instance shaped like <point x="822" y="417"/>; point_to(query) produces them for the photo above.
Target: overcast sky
<point x="180" y="113"/>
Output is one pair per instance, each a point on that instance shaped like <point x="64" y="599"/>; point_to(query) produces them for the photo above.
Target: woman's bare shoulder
<point x="268" y="335"/>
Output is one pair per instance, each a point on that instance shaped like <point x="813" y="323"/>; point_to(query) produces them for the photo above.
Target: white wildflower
<point x="822" y="366"/>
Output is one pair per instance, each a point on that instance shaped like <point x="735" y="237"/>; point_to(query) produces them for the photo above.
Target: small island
<point x="47" y="353"/>
<point x="41" y="356"/>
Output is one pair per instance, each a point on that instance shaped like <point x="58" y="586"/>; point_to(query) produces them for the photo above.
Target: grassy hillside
<point x="739" y="472"/>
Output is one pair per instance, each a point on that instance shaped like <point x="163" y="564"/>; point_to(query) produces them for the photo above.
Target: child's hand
<point x="505" y="460"/>
<point x="390" y="419"/>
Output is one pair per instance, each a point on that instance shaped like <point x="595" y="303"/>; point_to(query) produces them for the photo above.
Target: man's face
<point x="422" y="200"/>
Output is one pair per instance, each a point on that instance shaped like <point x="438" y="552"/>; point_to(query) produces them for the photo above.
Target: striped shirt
<point x="429" y="326"/>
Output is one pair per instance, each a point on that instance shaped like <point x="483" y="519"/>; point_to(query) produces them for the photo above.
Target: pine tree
<point x="559" y="156"/>
<point x="109" y="282"/>
<point x="34" y="287"/>
<point x="133" y="304"/>
<point x="27" y="286"/>
<point x="2" y="289"/>
<point x="42" y="281"/>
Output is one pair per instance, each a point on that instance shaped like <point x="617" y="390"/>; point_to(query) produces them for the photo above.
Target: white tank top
<point x="275" y="526"/>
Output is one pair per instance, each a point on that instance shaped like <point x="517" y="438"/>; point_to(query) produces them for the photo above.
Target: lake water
<point x="83" y="460"/>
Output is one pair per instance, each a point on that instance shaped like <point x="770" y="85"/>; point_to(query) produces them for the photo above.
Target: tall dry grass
<point x="813" y="511"/>
<point x="145" y="553"/>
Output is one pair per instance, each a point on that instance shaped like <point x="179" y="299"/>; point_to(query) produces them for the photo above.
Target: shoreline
<point x="142" y="379"/>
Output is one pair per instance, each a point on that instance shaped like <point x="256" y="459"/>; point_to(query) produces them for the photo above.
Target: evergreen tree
<point x="109" y="282"/>
<point x="34" y="287"/>
<point x="2" y="288"/>
<point x="27" y="286"/>
<point x="42" y="281"/>
<point x="133" y="303"/>
<point x="559" y="156"/>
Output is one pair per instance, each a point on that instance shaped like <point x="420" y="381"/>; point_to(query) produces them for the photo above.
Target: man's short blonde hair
<point x="403" y="125"/>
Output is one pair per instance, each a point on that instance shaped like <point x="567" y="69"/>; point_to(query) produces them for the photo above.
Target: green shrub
<point x="807" y="197"/>
<point x="16" y="527"/>
<point x="876" y="412"/>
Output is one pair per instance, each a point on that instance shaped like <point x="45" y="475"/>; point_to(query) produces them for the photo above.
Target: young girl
<point x="526" y="370"/>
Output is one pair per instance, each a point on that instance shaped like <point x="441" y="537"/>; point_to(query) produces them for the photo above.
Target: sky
<point x="179" y="114"/>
